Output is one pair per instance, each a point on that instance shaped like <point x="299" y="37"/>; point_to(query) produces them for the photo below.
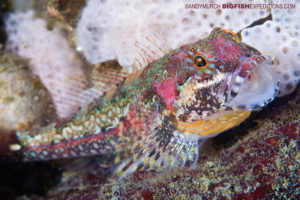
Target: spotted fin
<point x="157" y="152"/>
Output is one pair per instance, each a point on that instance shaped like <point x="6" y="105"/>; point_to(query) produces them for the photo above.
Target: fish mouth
<point x="253" y="85"/>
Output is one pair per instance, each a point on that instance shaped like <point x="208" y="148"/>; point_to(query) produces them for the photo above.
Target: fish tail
<point x="32" y="147"/>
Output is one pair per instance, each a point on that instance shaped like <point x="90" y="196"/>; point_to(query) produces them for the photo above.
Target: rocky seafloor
<point x="260" y="159"/>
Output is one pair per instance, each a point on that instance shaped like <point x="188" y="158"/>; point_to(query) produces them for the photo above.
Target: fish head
<point x="227" y="79"/>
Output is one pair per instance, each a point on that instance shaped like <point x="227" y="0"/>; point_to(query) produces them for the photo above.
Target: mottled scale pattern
<point x="159" y="117"/>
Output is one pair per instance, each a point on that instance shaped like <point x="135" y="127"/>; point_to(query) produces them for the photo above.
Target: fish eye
<point x="235" y="37"/>
<point x="200" y="61"/>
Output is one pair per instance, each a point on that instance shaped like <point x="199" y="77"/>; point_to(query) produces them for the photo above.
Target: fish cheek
<point x="204" y="103"/>
<point x="207" y="101"/>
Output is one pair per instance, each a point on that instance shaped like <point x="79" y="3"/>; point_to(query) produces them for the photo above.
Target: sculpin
<point x="159" y="117"/>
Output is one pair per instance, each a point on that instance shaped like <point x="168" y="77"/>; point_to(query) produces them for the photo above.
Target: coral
<point x="51" y="58"/>
<point x="66" y="11"/>
<point x="65" y="15"/>
<point x="144" y="30"/>
<point x="24" y="102"/>
<point x="280" y="38"/>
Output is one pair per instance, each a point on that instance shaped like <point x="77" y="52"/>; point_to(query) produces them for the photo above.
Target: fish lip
<point x="237" y="78"/>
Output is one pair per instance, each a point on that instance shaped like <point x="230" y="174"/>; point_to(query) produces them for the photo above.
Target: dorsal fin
<point x="106" y="75"/>
<point x="153" y="47"/>
<point x="103" y="78"/>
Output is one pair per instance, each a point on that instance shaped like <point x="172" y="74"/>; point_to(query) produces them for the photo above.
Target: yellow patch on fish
<point x="212" y="126"/>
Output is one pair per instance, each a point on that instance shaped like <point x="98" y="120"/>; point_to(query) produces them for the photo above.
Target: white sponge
<point x="51" y="58"/>
<point x="137" y="32"/>
<point x="280" y="38"/>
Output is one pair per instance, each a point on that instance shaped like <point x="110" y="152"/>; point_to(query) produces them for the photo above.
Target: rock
<point x="24" y="102"/>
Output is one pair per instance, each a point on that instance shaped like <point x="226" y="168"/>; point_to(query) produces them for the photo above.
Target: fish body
<point x="160" y="116"/>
